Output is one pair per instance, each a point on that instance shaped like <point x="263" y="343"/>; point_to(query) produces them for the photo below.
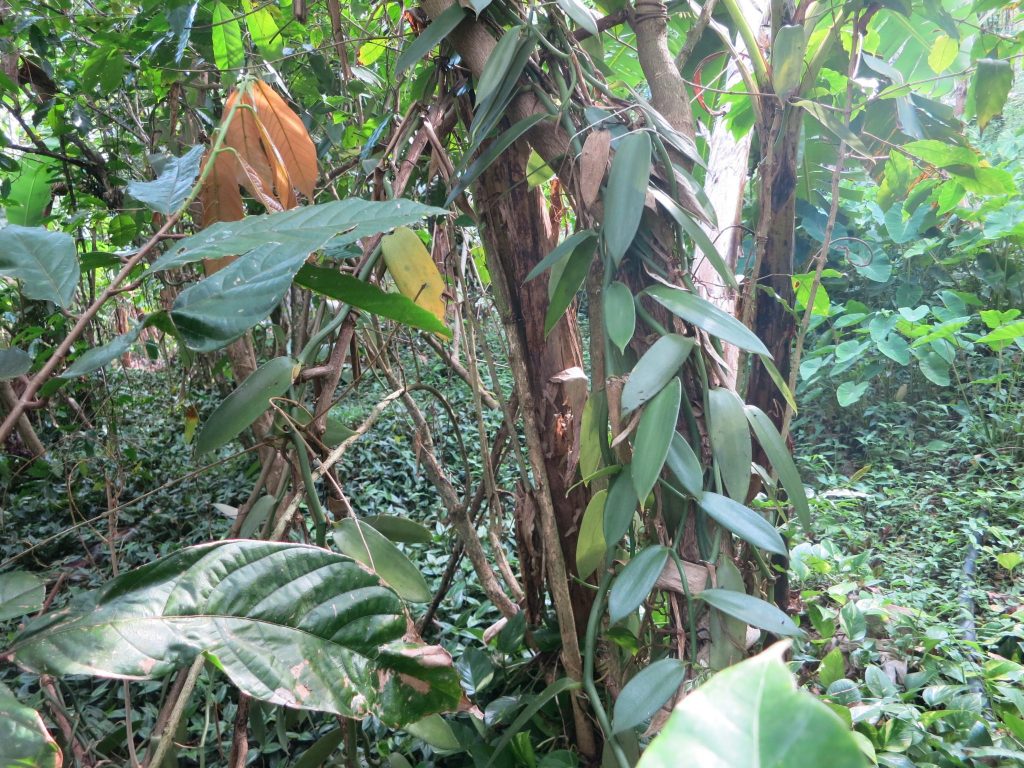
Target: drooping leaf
<point x="619" y="507"/>
<point x="31" y="191"/>
<point x="24" y="740"/>
<point x="619" y="314"/>
<point x="782" y="461"/>
<point x="579" y="13"/>
<point x="14" y="362"/>
<point x="730" y="441"/>
<point x="288" y="136"/>
<point x="627" y="191"/>
<point x="990" y="86"/>
<point x="753" y="610"/>
<point x="567" y="278"/>
<point x="400" y="529"/>
<point x="243" y="406"/>
<point x="364" y="544"/>
<point x="590" y="546"/>
<point x="257" y="516"/>
<point x="97" y="357"/>
<point x="490" y="111"/>
<point x="467" y="176"/>
<point x="654" y="436"/>
<point x="743" y="521"/>
<point x="634" y="584"/>
<point x="220" y="197"/>
<point x="751" y="716"/>
<point x="414" y="270"/>
<point x="703" y="314"/>
<point x="654" y="370"/>
<point x="646" y="693"/>
<point x="321" y="750"/>
<point x="180" y="19"/>
<point x="430" y="37"/>
<point x="683" y="463"/>
<point x="686" y="221"/>
<point x="728" y="634"/>
<point x="45" y="262"/>
<point x="226" y="33"/>
<point x="331" y="638"/>
<point x="561" y="251"/>
<point x="788" y="50"/>
<point x="593" y="433"/>
<point x="168" y="191"/>
<point x="21" y="593"/>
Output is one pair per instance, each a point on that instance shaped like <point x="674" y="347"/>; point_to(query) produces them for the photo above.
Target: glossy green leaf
<point x="730" y="441"/>
<point x="400" y="529"/>
<point x="435" y="730"/>
<point x="990" y="86"/>
<point x="45" y="262"/>
<point x="703" y="314"/>
<point x="370" y="298"/>
<point x="21" y="593"/>
<point x="31" y="191"/>
<point x="24" y="740"/>
<point x="788" y="50"/>
<point x="782" y="461"/>
<point x="329" y="636"/>
<point x="14" y="362"/>
<point x="654" y="436"/>
<point x="627" y="191"/>
<point x="654" y="370"/>
<point x="753" y="610"/>
<point x="366" y="545"/>
<point x="243" y="406"/>
<point x="753" y="715"/>
<point x="226" y="34"/>
<point x="619" y="507"/>
<point x="743" y="521"/>
<point x="646" y="693"/>
<point x="634" y="584"/>
<point x="569" y="281"/>
<point x="430" y="37"/>
<point x="590" y="546"/>
<point x="683" y="463"/>
<point x="619" y="314"/>
<point x="168" y="191"/>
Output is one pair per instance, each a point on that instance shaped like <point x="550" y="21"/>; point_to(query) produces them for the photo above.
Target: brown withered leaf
<point x="219" y="196"/>
<point x="283" y="185"/>
<point x="593" y="164"/>
<point x="244" y="136"/>
<point x="288" y="135"/>
<point x="256" y="187"/>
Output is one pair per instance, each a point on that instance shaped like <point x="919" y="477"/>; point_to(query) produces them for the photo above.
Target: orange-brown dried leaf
<point x="219" y="196"/>
<point x="289" y="136"/>
<point x="283" y="185"/>
<point x="256" y="186"/>
<point x="244" y="136"/>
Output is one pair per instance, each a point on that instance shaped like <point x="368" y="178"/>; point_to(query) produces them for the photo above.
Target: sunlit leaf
<point x="168" y="191"/>
<point x="45" y="262"/>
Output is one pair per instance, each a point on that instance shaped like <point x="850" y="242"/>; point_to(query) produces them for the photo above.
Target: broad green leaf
<point x="263" y="30"/>
<point x="14" y="362"/>
<point x="435" y="730"/>
<point x="300" y="230"/>
<point x="579" y="13"/>
<point x="728" y="634"/>
<point x="180" y="18"/>
<point x="990" y="86"/>
<point x="370" y="298"/>
<point x="168" y="191"/>
<point x="753" y="610"/>
<point x="654" y="370"/>
<point x="684" y="464"/>
<point x="943" y="53"/>
<point x="832" y="668"/>
<point x="619" y="507"/>
<point x="619" y="314"/>
<point x="730" y="441"/>
<point x="243" y="406"/>
<point x="430" y="37"/>
<point x="366" y="545"/>
<point x="590" y="546"/>
<point x="753" y="715"/>
<point x="834" y="126"/>
<point x="560" y="252"/>
<point x="400" y="529"/>
<point x="226" y="34"/>
<point x="327" y="635"/>
<point x="646" y="693"/>
<point x="743" y="521"/>
<point x="569" y="281"/>
<point x="475" y="669"/>
<point x="97" y="357"/>
<point x="895" y="347"/>
<point x="654" y="436"/>
<point x="627" y="191"/>
<point x="634" y="584"/>
<point x="1004" y="333"/>
<point x="21" y="593"/>
<point x="703" y="314"/>
<point x="24" y="740"/>
<point x="782" y="461"/>
<point x="850" y="392"/>
<point x="45" y="262"/>
<point x="788" y="50"/>
<point x="942" y="154"/>
<point x="32" y="192"/>
<point x="122" y="230"/>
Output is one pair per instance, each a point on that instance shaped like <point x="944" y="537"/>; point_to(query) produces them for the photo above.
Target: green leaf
<point x="400" y="529"/>
<point x="168" y="191"/>
<point x="31" y="190"/>
<point x="753" y="610"/>
<point x="326" y="635"/>
<point x="593" y="433"/>
<point x="685" y="220"/>
<point x="934" y="368"/>
<point x="990" y="86"/>
<point x="654" y="370"/>
<point x="1007" y="332"/>
<point x="684" y="464"/>
<point x="243" y="406"/>
<point x="646" y="693"/>
<point x="21" y="593"/>
<point x="258" y="514"/>
<point x="836" y="127"/>
<point x="620" y="507"/>
<point x="435" y="730"/>
<point x="728" y="634"/>
<point x="560" y="686"/>
<point x="619" y="314"/>
<point x="627" y="191"/>
<point x="430" y="37"/>
<point x="782" y="460"/>
<point x="832" y="668"/>
<point x="370" y="298"/>
<point x="561" y="252"/>
<point x="497" y="65"/>
<point x="634" y="584"/>
<point x="895" y="347"/>
<point x="943" y="53"/>
<point x="263" y="30"/>
<point x="318" y="754"/>
<point x="492" y="110"/>
<point x="97" y="357"/>
<point x="45" y="262"/>
<point x="752" y="716"/>
<point x="850" y="392"/>
<point x="14" y="362"/>
<point x="730" y="441"/>
<point x="24" y="740"/>
<point x="788" y="50"/>
<point x="703" y="314"/>
<point x="743" y="521"/>
<point x="569" y="281"/>
<point x="364" y="544"/>
<point x="590" y="546"/>
<point x="654" y="436"/>
<point x="226" y="34"/>
<point x="579" y="13"/>
<point x="299" y="230"/>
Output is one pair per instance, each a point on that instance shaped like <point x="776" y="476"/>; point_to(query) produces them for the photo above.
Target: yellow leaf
<point x="414" y="270"/>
